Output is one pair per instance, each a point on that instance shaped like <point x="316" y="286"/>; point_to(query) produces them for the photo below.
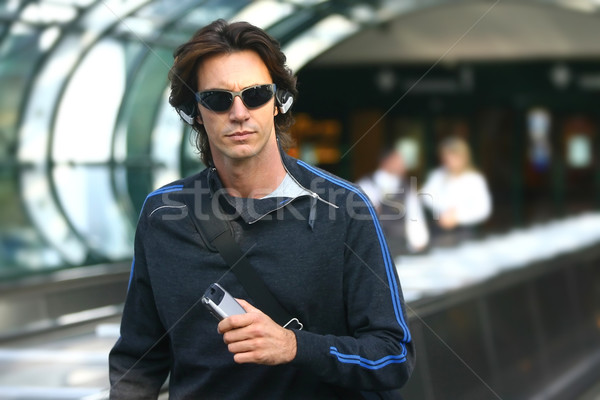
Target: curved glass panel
<point x="166" y="144"/>
<point x="47" y="216"/>
<point x="83" y="135"/>
<point x="264" y="13"/>
<point x="36" y="190"/>
<point x="86" y="195"/>
<point x="317" y="39"/>
<point x="87" y="112"/>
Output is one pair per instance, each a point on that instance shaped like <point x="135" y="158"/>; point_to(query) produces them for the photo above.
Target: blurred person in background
<point x="457" y="195"/>
<point x="397" y="205"/>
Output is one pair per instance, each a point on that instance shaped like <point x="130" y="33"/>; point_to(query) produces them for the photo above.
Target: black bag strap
<point x="217" y="232"/>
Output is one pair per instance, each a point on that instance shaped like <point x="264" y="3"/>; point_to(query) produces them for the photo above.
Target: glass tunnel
<point x="85" y="127"/>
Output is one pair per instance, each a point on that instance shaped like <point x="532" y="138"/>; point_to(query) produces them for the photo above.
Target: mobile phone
<point x="220" y="303"/>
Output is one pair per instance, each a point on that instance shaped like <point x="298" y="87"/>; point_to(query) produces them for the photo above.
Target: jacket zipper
<point x="312" y="215"/>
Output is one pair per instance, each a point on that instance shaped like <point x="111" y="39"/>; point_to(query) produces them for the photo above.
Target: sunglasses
<point x="221" y="100"/>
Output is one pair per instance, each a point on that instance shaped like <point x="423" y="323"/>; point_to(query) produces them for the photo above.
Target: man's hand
<point x="448" y="219"/>
<point x="255" y="338"/>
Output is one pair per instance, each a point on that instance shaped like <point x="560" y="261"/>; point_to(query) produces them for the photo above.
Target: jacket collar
<point x="252" y="210"/>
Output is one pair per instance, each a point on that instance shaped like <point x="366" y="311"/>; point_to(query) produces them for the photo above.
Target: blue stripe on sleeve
<point x="131" y="272"/>
<point x="166" y="189"/>
<point x="369" y="364"/>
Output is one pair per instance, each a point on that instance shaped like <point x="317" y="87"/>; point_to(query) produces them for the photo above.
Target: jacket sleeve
<point x="140" y="360"/>
<point x="378" y="353"/>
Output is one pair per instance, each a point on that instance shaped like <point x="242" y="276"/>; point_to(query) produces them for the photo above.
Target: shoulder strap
<point x="216" y="232"/>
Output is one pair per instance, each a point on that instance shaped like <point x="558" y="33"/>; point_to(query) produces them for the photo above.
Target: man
<point x="397" y="205"/>
<point x="312" y="238"/>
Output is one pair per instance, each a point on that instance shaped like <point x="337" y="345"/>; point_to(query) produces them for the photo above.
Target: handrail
<point x="35" y="304"/>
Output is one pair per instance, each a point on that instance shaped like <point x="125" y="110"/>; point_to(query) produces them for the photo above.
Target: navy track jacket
<point x="323" y="256"/>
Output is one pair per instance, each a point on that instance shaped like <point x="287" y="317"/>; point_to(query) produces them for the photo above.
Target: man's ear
<point x="199" y="117"/>
<point x="276" y="112"/>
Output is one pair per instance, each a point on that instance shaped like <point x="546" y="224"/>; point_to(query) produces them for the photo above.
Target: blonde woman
<point x="456" y="193"/>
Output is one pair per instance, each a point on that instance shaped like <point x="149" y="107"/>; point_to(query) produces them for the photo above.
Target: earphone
<point x="188" y="112"/>
<point x="284" y="100"/>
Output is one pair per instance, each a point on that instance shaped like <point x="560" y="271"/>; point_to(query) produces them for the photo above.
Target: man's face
<point x="238" y="133"/>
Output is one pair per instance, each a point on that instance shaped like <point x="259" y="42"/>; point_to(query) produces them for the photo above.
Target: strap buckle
<point x="294" y="323"/>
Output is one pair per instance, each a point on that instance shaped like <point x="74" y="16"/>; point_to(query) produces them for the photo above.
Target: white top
<point x="466" y="193"/>
<point x="288" y="188"/>
<point x="383" y="183"/>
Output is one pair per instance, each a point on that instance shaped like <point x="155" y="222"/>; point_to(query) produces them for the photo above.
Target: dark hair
<point x="221" y="37"/>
